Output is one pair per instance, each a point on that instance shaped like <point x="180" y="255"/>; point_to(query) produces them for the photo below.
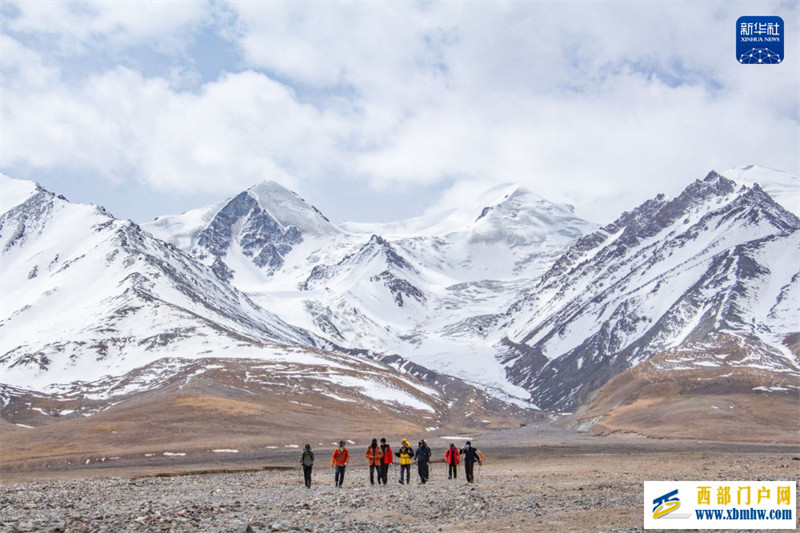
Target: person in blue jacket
<point x="423" y="458"/>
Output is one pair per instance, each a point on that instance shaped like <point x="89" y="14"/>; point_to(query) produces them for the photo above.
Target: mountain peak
<point x="500" y="193"/>
<point x="14" y="192"/>
<point x="714" y="184"/>
<point x="782" y="187"/>
<point x="271" y="188"/>
<point x="288" y="208"/>
<point x="386" y="250"/>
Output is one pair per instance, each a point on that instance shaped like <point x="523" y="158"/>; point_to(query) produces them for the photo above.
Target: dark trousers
<point x="372" y="469"/>
<point x="407" y="470"/>
<point x="452" y="471"/>
<point x="468" y="467"/>
<point x="423" y="472"/>
<point x="383" y="474"/>
<point x="307" y="474"/>
<point x="339" y="475"/>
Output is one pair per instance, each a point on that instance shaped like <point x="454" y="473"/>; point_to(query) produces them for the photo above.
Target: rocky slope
<point x="270" y="398"/>
<point x="428" y="288"/>
<point x="717" y="259"/>
<point x="508" y="299"/>
<point x="85" y="295"/>
<point x="704" y="390"/>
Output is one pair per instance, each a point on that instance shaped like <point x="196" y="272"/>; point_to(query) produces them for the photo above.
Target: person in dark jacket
<point x="307" y="460"/>
<point x="374" y="455"/>
<point x="470" y="455"/>
<point x="423" y="458"/>
<point x="406" y="455"/>
<point x="386" y="460"/>
<point x="451" y="457"/>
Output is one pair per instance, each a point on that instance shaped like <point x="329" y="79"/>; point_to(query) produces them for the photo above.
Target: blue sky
<point x="381" y="111"/>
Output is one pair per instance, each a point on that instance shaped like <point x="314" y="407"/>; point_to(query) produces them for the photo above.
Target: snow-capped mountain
<point x="780" y="186"/>
<point x="97" y="313"/>
<point x="85" y="295"/>
<point x="427" y="288"/>
<point x="507" y="232"/>
<point x="511" y="293"/>
<point x="249" y="235"/>
<point x="374" y="290"/>
<point x="718" y="258"/>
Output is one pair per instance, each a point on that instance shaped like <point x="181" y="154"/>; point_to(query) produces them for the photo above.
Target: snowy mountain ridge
<point x="704" y="263"/>
<point x="780" y="186"/>
<point x="85" y="295"/>
<point x="410" y="287"/>
<point x="512" y="293"/>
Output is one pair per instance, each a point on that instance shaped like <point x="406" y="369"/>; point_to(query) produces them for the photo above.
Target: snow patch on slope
<point x="780" y="186"/>
<point x="13" y="192"/>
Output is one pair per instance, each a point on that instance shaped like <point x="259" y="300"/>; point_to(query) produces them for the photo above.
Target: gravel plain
<point x="524" y="489"/>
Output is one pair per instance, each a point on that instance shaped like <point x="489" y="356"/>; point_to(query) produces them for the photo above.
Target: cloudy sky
<point x="380" y="111"/>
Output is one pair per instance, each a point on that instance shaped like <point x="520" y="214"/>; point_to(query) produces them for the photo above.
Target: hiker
<point x="451" y="458"/>
<point x="307" y="460"/>
<point x="406" y="455"/>
<point x="386" y="460"/>
<point x="423" y="457"/>
<point x="469" y="456"/>
<point x="340" y="459"/>
<point x="374" y="456"/>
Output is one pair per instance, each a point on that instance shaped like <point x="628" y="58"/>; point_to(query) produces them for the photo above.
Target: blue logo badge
<point x="759" y="40"/>
<point x="663" y="505"/>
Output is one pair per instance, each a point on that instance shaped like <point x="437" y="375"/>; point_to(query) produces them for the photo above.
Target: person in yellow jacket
<point x="406" y="455"/>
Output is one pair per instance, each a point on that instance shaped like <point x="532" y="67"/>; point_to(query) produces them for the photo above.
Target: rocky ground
<point x="588" y="485"/>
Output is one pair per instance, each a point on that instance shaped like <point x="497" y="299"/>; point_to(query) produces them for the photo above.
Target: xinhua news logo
<point x="759" y="40"/>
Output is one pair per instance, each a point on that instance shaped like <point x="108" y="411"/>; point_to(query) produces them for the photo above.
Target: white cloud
<point x="74" y="27"/>
<point x="236" y="131"/>
<point x="578" y="102"/>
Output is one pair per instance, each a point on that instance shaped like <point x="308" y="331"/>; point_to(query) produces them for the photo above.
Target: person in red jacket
<point x="374" y="456"/>
<point x="340" y="459"/>
<point x="451" y="457"/>
<point x="386" y="460"/>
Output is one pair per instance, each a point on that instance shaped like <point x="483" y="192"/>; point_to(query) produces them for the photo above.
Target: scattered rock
<point x="515" y="496"/>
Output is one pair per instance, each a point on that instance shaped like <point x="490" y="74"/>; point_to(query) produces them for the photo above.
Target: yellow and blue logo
<point x="663" y="505"/>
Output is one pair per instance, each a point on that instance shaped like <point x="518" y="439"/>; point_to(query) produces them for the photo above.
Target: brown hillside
<point x="699" y="392"/>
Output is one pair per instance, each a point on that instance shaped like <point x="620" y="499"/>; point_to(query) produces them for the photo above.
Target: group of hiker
<point x="380" y="456"/>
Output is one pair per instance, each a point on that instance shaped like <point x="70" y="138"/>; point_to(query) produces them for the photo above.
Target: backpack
<point x="308" y="458"/>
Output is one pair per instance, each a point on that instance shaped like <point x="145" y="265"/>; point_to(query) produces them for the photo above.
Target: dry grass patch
<point x="104" y="428"/>
<point x="220" y="406"/>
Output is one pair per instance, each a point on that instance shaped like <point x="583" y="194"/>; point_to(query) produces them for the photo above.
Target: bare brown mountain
<point x="703" y="390"/>
<point x="184" y="410"/>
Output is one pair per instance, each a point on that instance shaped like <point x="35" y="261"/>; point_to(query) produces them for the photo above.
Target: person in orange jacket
<point x="385" y="462"/>
<point x="451" y="457"/>
<point x="340" y="459"/>
<point x="374" y="455"/>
